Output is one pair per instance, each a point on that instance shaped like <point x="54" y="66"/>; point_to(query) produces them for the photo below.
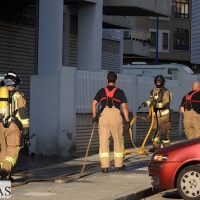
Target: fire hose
<point x="142" y="149"/>
<point x="61" y="178"/>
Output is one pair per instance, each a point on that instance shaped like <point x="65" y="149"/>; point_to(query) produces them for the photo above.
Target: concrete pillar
<point x="90" y="35"/>
<point x="53" y="113"/>
<point x="52" y="104"/>
<point x="66" y="35"/>
<point x="50" y="37"/>
<point x="67" y="114"/>
<point x="44" y="115"/>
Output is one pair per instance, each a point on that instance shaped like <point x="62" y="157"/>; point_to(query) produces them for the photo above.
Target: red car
<point x="178" y="166"/>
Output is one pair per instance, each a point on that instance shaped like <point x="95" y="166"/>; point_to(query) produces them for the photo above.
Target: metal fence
<point x="136" y="88"/>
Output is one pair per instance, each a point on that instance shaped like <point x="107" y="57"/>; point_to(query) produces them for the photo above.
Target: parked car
<point x="177" y="166"/>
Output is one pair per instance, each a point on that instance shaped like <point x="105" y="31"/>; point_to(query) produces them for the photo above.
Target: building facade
<point x="195" y="33"/>
<point x="47" y="42"/>
<point x="174" y="33"/>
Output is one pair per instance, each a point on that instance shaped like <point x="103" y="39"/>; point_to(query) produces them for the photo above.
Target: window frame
<point x="178" y="36"/>
<point x="160" y="41"/>
<point x="183" y="5"/>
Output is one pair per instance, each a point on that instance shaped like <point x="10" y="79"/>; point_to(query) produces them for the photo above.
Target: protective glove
<point x="95" y="119"/>
<point x="153" y="103"/>
<point x="127" y="125"/>
<point x="142" y="105"/>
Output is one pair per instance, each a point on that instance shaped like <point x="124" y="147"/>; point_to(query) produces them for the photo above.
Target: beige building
<point x="173" y="37"/>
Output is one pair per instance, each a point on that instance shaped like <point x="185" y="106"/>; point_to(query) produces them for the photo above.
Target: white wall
<point x="55" y="101"/>
<point x="53" y="113"/>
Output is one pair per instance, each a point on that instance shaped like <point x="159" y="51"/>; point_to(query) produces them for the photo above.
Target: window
<point x="170" y="70"/>
<point x="181" y="10"/>
<point x="181" y="39"/>
<point x="165" y="41"/>
<point x="153" y="40"/>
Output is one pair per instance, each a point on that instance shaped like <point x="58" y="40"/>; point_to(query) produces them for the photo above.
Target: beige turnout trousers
<point x="111" y="124"/>
<point x="10" y="146"/>
<point x="191" y="122"/>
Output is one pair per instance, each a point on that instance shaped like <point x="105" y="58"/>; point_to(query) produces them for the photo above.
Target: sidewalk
<point x="132" y="184"/>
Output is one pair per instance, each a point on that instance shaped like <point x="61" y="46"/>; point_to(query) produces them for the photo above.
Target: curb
<point x="142" y="194"/>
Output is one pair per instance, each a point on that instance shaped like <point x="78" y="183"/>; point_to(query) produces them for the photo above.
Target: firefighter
<point x="160" y="98"/>
<point x="14" y="123"/>
<point x="110" y="122"/>
<point x="190" y="108"/>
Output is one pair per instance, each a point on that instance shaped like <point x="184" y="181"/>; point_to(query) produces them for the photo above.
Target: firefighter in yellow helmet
<point x="160" y="98"/>
<point x="14" y="124"/>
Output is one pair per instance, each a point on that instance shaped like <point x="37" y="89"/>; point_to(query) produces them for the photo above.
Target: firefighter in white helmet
<point x="14" y="124"/>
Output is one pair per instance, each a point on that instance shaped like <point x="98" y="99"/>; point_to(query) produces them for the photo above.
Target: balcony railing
<point x="182" y="47"/>
<point x="136" y="34"/>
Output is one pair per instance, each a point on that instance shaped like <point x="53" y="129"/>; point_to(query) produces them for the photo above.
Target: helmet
<point x="159" y="78"/>
<point x="11" y="78"/>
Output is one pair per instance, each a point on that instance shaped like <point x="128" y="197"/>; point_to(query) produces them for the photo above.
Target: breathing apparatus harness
<point x="7" y="116"/>
<point x="189" y="100"/>
<point x="109" y="95"/>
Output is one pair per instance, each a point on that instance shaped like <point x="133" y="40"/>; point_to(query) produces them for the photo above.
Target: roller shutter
<point x="17" y="41"/>
<point x="111" y="55"/>
<point x="73" y="41"/>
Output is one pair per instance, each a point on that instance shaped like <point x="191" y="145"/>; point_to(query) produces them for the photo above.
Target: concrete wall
<point x="53" y="113"/>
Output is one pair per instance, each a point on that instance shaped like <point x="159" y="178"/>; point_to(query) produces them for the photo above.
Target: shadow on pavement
<point x="172" y="194"/>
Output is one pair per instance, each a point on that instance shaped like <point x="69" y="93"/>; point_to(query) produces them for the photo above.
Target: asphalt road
<point x="165" y="195"/>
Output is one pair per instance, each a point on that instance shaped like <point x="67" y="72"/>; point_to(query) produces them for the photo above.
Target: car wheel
<point x="188" y="182"/>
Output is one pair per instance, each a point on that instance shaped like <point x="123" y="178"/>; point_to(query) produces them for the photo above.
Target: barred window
<point x="181" y="39"/>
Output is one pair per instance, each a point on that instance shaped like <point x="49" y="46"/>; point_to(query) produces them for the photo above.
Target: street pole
<point x="157" y="25"/>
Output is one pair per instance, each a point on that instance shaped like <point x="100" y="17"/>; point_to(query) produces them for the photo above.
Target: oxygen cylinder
<point x="4" y="104"/>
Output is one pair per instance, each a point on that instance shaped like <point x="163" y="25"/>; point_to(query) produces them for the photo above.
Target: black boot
<point x="104" y="170"/>
<point x="118" y="169"/>
<point x="166" y="144"/>
<point x="153" y="149"/>
<point x="3" y="174"/>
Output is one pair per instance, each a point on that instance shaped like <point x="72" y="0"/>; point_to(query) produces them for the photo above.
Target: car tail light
<point x="160" y="157"/>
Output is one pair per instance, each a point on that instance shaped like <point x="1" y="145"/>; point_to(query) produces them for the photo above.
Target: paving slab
<point x="59" y="178"/>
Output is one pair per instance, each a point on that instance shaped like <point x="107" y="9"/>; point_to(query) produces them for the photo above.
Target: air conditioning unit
<point x="127" y="34"/>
